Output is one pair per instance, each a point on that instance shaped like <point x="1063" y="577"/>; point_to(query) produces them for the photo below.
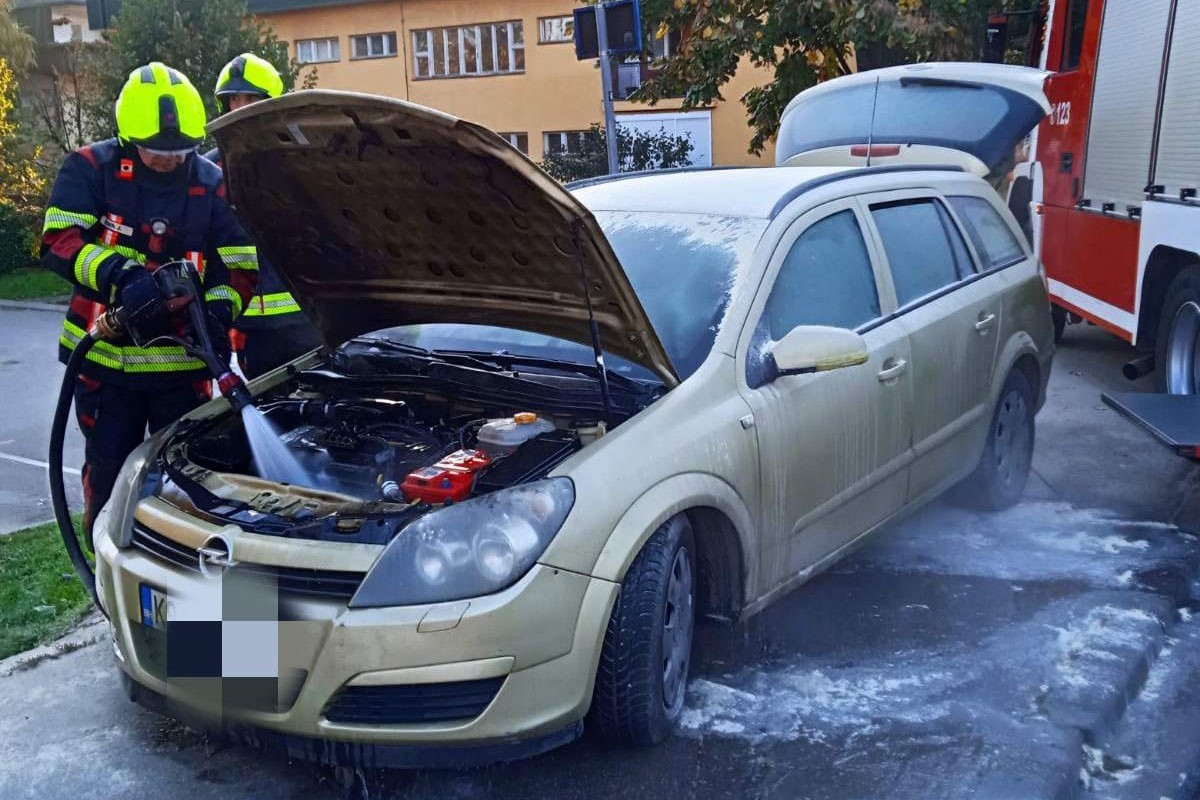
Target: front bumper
<point x="540" y="639"/>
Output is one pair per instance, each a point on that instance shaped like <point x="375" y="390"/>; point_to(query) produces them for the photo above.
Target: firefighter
<point x="273" y="330"/>
<point x="118" y="209"/>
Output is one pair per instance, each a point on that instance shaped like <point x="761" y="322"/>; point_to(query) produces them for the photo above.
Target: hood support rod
<point x="593" y="328"/>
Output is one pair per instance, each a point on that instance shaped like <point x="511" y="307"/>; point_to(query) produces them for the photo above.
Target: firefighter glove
<point x="143" y="309"/>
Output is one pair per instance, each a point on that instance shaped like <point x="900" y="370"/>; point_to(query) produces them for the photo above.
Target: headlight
<point x="469" y="549"/>
<point x="135" y="482"/>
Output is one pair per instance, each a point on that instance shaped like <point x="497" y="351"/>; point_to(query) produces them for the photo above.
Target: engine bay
<point x="376" y="456"/>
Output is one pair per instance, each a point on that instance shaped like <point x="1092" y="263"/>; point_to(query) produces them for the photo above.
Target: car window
<point x="826" y="279"/>
<point x="923" y="247"/>
<point x="993" y="239"/>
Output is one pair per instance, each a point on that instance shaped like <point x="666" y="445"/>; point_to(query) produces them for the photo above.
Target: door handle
<point x="892" y="368"/>
<point x="985" y="323"/>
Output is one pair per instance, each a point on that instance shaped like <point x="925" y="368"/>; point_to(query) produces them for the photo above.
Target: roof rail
<point x="824" y="180"/>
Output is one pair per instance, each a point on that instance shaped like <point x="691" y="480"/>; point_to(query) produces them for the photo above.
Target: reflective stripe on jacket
<point x="97" y="225"/>
<point x="273" y="305"/>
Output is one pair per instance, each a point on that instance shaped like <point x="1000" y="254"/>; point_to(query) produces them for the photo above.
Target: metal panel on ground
<point x="1121" y="126"/>
<point x="1178" y="165"/>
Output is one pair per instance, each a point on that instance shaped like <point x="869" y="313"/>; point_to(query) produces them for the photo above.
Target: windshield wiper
<point x="445" y="356"/>
<point x="508" y="361"/>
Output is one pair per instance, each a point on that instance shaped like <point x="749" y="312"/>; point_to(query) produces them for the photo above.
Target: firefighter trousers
<point x="114" y="421"/>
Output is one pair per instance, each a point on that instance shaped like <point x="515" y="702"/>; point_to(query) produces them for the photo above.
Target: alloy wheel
<point x="678" y="625"/>
<point x="1011" y="437"/>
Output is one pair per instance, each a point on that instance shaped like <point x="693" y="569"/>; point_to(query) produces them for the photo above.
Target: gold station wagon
<point x="551" y="430"/>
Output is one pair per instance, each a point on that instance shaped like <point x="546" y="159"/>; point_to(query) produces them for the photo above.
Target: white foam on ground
<point x="1100" y="636"/>
<point x="793" y="703"/>
<point x="1033" y="541"/>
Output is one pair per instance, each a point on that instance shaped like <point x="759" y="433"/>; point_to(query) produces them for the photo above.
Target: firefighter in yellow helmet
<point x="120" y="208"/>
<point x="273" y="330"/>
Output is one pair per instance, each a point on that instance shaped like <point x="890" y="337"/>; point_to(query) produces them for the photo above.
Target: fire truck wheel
<point x="999" y="480"/>
<point x="1177" y="345"/>
<point x="1058" y="315"/>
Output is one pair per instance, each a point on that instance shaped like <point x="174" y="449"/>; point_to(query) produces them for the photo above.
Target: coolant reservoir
<point x="499" y="437"/>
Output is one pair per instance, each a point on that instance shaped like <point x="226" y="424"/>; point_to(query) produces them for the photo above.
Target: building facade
<point x="506" y="64"/>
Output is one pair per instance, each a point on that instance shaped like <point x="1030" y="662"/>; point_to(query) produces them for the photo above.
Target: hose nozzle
<point x="109" y="325"/>
<point x="234" y="390"/>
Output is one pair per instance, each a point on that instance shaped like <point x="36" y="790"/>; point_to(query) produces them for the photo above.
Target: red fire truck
<point x="1114" y="185"/>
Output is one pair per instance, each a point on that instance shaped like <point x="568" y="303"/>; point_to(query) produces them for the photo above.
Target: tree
<point x="22" y="187"/>
<point x="805" y="42"/>
<point x="197" y="37"/>
<point x="16" y="46"/>
<point x="58" y="107"/>
<point x="636" y="151"/>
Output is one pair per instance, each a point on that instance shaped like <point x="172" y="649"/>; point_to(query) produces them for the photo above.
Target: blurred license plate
<point x="154" y="607"/>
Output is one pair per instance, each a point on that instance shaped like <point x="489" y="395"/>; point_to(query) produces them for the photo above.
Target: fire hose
<point x="180" y="289"/>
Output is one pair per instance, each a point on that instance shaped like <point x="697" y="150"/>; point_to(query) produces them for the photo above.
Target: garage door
<point x="696" y="125"/>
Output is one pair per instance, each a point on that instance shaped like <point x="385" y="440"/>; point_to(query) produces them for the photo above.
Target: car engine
<point x="390" y="450"/>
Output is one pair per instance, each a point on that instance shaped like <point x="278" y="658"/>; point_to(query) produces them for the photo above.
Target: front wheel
<point x="1177" y="344"/>
<point x="999" y="480"/>
<point x="642" y="676"/>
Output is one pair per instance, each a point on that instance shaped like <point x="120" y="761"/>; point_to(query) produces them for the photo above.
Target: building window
<point x="665" y="47"/>
<point x="556" y="30"/>
<point x="318" y="51"/>
<point x="562" y="141"/>
<point x="373" y="45"/>
<point x="517" y="140"/>
<point x="492" y="48"/>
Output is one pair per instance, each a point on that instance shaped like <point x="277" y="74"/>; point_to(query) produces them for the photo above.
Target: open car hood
<point x="971" y="115"/>
<point x="381" y="213"/>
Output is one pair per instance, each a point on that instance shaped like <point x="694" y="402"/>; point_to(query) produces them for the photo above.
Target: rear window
<point x="983" y="121"/>
<point x="993" y="239"/>
<point x="923" y="247"/>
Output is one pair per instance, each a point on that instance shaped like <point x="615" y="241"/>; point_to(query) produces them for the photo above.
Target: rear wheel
<point x="1177" y="345"/>
<point x="999" y="479"/>
<point x="1058" y="315"/>
<point x="642" y="676"/>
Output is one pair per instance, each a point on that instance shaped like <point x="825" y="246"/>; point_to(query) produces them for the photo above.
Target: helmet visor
<point x="170" y="153"/>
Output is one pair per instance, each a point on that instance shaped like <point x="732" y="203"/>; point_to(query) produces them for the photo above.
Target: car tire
<point x="1177" y="343"/>
<point x="641" y="679"/>
<point x="999" y="479"/>
<point x="1058" y="316"/>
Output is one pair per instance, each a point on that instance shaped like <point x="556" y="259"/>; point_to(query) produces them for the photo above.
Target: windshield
<point x="683" y="268"/>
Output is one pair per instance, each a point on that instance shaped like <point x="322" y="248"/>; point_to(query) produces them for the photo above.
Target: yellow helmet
<point x="159" y="109"/>
<point x="247" y="74"/>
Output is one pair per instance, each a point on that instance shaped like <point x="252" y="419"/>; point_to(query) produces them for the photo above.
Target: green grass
<point x="40" y="596"/>
<point x="23" y="284"/>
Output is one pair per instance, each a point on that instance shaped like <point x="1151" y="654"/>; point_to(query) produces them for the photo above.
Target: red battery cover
<point x="450" y="479"/>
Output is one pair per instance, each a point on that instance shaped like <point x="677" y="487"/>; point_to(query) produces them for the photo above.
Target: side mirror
<point x="818" y="348"/>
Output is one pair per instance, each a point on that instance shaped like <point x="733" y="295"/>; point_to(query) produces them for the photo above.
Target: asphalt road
<point x="30" y="376"/>
<point x="1046" y="652"/>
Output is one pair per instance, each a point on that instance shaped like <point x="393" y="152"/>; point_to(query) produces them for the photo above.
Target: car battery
<point x="449" y="480"/>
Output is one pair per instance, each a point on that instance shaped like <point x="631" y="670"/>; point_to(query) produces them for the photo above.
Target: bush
<point x="636" y="151"/>
<point x="17" y="240"/>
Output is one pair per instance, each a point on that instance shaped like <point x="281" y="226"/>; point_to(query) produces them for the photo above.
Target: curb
<point x="33" y="305"/>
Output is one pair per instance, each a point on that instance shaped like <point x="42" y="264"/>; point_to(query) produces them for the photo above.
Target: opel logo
<point x="216" y="556"/>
